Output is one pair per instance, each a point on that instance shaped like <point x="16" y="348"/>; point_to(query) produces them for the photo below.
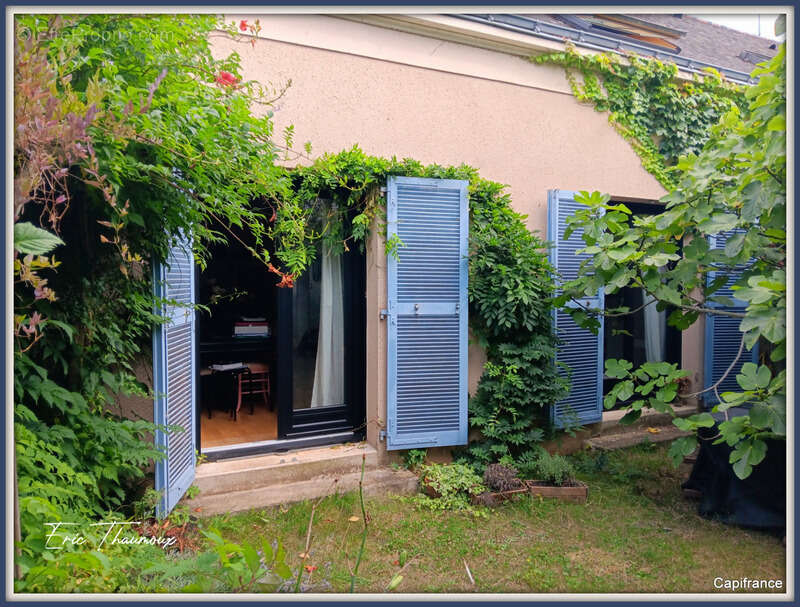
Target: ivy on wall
<point x="156" y="137"/>
<point x="174" y="145"/>
<point x="661" y="116"/>
<point x="146" y="134"/>
<point x="510" y="286"/>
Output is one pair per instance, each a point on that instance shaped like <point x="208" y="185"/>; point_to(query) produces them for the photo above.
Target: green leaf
<point x="733" y="245"/>
<point x="280" y="553"/>
<point x="777" y="123"/>
<point x="668" y="294"/>
<point x="680" y="448"/>
<point x="748" y="453"/>
<point x="30" y="240"/>
<point x="282" y="569"/>
<point x="753" y="377"/>
<point x="667" y="394"/>
<point x="396" y="579"/>
<point x="769" y="417"/>
<point x="691" y="423"/>
<point x="719" y="222"/>
<point x="266" y="549"/>
<point x="624" y="390"/>
<point x="621" y="253"/>
<point x="659" y="259"/>
<point x="251" y="557"/>
<point x="630" y="417"/>
<point x="617" y="368"/>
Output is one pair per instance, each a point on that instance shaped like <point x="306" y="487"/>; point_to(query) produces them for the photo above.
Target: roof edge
<point x="597" y="42"/>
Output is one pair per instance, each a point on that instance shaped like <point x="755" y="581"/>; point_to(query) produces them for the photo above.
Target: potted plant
<point x="450" y="480"/>
<point x="503" y="483"/>
<point x="556" y="479"/>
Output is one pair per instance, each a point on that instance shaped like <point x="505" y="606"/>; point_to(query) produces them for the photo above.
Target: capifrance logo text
<point x="745" y="583"/>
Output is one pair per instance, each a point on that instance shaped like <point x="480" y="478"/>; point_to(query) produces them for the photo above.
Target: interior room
<point x="236" y="348"/>
<point x="279" y="364"/>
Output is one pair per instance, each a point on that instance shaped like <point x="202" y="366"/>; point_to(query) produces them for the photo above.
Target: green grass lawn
<point x="636" y="533"/>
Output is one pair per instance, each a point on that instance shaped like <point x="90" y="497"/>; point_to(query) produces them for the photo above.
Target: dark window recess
<point x="627" y="336"/>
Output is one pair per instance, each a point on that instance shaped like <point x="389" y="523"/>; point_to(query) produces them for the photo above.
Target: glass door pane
<point x="318" y="335"/>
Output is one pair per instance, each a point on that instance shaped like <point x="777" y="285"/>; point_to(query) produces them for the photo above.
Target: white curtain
<point x="655" y="329"/>
<point x="329" y="372"/>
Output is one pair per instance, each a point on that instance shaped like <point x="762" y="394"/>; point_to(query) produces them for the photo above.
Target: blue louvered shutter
<point x="722" y="335"/>
<point x="174" y="374"/>
<point x="427" y="313"/>
<point x="581" y="350"/>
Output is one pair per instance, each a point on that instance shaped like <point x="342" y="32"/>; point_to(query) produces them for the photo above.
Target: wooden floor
<point x="221" y="430"/>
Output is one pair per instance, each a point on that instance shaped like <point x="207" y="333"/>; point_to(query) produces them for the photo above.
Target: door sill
<point x="267" y="446"/>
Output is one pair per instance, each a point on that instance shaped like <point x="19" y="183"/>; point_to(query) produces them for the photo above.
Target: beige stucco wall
<point x="514" y="121"/>
<point x="137" y="407"/>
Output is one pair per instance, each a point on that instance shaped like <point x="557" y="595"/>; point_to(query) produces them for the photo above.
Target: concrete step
<point x="278" y="469"/>
<point x="377" y="481"/>
<point x="650" y="418"/>
<point x="635" y="436"/>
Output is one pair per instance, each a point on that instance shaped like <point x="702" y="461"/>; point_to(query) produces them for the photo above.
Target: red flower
<point x="243" y="25"/>
<point x="310" y="568"/>
<point x="226" y="79"/>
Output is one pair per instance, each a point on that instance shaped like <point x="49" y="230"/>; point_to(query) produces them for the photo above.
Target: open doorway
<point x="279" y="367"/>
<point x="643" y="336"/>
<point x="236" y="349"/>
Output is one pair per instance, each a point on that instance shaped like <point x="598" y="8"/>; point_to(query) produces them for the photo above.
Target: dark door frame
<point x="350" y="415"/>
<point x="311" y="427"/>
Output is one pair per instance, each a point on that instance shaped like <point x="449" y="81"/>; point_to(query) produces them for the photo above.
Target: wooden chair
<point x="254" y="381"/>
<point x="231" y="378"/>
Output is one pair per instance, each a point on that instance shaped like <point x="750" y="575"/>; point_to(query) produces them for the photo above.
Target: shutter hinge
<point x="382" y="435"/>
<point x="383" y="191"/>
<point x="384" y="314"/>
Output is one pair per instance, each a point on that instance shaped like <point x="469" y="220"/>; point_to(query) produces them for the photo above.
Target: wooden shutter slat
<point x="581" y="350"/>
<point x="427" y="322"/>
<point x="722" y="335"/>
<point x="174" y="375"/>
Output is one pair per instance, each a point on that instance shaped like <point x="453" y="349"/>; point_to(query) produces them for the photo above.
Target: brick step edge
<point x="380" y="481"/>
<point x="634" y="437"/>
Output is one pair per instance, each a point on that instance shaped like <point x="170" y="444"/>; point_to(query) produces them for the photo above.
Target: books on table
<point x="251" y="328"/>
<point x="226" y="366"/>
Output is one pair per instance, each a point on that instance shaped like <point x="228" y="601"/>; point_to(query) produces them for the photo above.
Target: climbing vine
<point x="733" y="190"/>
<point x="155" y="137"/>
<point x="127" y="132"/>
<point x="336" y="199"/>
<point x="662" y="117"/>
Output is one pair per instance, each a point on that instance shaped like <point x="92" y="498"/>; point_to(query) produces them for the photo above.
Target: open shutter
<point x="427" y="315"/>
<point x="722" y="335"/>
<point x="174" y="375"/>
<point x="581" y="350"/>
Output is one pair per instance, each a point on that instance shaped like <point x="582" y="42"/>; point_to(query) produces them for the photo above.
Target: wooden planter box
<point x="430" y="491"/>
<point x="494" y="498"/>
<point x="576" y="493"/>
